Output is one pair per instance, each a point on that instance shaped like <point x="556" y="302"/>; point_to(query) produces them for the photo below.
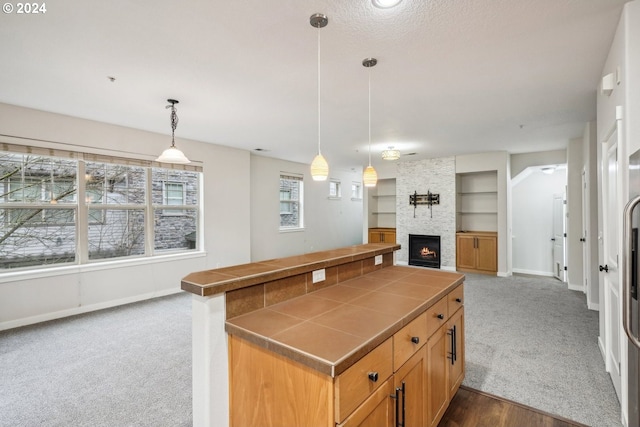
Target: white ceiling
<point x="453" y="76"/>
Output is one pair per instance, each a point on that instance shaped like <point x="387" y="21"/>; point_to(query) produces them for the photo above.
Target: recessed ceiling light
<point x="385" y="4"/>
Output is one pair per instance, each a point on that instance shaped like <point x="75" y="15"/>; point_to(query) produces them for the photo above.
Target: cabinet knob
<point x="415" y="340"/>
<point x="373" y="376"/>
<point x="458" y="299"/>
<point x="440" y="316"/>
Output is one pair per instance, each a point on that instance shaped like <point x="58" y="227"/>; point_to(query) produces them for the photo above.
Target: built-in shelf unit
<point x="382" y="204"/>
<point x="477" y="201"/>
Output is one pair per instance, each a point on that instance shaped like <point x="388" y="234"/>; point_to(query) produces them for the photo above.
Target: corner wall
<point x="29" y="297"/>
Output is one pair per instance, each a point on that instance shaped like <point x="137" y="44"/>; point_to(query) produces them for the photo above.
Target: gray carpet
<point x="126" y="366"/>
<point x="527" y="339"/>
<point x="533" y="341"/>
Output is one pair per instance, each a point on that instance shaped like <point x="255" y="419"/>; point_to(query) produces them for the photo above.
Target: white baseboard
<point x="84" y="309"/>
<point x="593" y="306"/>
<point x="572" y="287"/>
<point x="533" y="272"/>
<point x="601" y="347"/>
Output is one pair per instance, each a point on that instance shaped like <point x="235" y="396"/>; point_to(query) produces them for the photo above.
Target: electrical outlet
<point x="318" y="276"/>
<point x="378" y="260"/>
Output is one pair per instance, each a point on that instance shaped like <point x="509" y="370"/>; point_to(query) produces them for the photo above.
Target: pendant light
<point x="370" y="176"/>
<point x="319" y="166"/>
<point x="172" y="154"/>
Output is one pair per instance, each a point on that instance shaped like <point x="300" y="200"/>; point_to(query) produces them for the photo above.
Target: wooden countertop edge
<point x="327" y="367"/>
<point x="281" y="272"/>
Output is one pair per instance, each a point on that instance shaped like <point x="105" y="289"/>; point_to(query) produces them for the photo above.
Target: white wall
<point x="328" y="223"/>
<point x="575" y="279"/>
<point x="500" y="162"/>
<point x="532" y="206"/>
<point x="589" y="151"/>
<point x="61" y="291"/>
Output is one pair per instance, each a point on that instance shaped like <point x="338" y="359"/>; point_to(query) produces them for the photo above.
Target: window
<point x="356" y="191"/>
<point x="291" y="196"/>
<point x="335" y="190"/>
<point x="127" y="208"/>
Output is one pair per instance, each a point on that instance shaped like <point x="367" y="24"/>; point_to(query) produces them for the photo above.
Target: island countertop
<point x="332" y="328"/>
<point x="220" y="280"/>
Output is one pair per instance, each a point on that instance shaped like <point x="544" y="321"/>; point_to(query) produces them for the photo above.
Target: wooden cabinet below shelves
<point x="382" y="235"/>
<point x="477" y="251"/>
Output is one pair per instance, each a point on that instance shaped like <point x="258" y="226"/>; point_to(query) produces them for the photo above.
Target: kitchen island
<point x="324" y="339"/>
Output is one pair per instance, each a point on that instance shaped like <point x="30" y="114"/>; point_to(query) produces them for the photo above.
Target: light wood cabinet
<point x="477" y="252"/>
<point x="411" y="389"/>
<point x="382" y="235"/>
<point x="437" y="376"/>
<point x="407" y="380"/>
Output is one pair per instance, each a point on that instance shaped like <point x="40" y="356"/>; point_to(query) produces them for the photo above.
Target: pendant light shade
<point x="370" y="176"/>
<point x="172" y="154"/>
<point x="319" y="166"/>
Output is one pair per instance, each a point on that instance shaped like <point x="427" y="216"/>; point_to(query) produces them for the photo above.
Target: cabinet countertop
<point x="332" y="328"/>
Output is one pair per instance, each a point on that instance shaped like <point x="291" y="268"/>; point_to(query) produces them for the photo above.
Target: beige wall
<point x="61" y="291"/>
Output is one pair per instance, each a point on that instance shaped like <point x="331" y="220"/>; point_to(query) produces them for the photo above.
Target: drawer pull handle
<point x="415" y="340"/>
<point x="373" y="376"/>
<point x="458" y="299"/>
<point x="440" y="316"/>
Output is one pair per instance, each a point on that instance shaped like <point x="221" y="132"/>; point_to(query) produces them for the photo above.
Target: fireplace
<point x="424" y="250"/>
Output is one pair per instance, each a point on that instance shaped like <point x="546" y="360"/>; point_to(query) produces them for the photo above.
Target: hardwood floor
<point x="473" y="408"/>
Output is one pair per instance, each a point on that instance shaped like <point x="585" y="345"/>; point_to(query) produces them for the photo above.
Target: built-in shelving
<point x="382" y="204"/>
<point x="477" y="201"/>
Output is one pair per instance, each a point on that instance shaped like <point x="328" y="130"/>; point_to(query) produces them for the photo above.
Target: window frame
<point x="296" y="204"/>
<point x="84" y="201"/>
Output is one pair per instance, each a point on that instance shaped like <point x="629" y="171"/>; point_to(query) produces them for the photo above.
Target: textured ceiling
<point x="453" y="76"/>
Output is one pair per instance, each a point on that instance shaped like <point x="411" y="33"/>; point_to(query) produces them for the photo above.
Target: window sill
<point x="291" y="230"/>
<point x="15" y="276"/>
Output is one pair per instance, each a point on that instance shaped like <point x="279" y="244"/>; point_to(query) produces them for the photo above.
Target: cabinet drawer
<point x="408" y="340"/>
<point x="355" y="384"/>
<point x="455" y="299"/>
<point x="437" y="316"/>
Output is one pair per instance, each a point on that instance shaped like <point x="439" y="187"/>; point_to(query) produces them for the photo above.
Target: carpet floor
<point x="527" y="339"/>
<point x="533" y="341"/>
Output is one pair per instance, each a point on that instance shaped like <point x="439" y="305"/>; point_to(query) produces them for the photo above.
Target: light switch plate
<point x="378" y="260"/>
<point x="318" y="276"/>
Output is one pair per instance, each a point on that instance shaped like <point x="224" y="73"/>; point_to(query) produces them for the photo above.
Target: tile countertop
<point x="332" y="328"/>
<point x="219" y="280"/>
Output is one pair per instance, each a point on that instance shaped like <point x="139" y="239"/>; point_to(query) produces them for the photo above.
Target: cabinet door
<point x="389" y="237"/>
<point x="456" y="351"/>
<point x="487" y="253"/>
<point x="412" y="377"/>
<point x="437" y="376"/>
<point x="375" y="237"/>
<point x="377" y="411"/>
<point x="466" y="251"/>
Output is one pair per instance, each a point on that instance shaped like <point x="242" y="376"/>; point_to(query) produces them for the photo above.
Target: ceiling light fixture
<point x="385" y="4"/>
<point x="172" y="154"/>
<point x="391" y="154"/>
<point x="319" y="166"/>
<point x="370" y="176"/>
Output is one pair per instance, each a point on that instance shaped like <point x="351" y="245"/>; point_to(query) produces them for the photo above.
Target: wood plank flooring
<point x="473" y="408"/>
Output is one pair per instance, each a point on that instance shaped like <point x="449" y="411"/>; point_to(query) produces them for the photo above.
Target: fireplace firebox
<point x="424" y="250"/>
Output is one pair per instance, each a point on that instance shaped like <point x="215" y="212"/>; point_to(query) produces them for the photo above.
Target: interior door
<point x="585" y="248"/>
<point x="558" y="237"/>
<point x="609" y="268"/>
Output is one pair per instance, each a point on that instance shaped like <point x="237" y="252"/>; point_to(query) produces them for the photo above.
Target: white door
<point x="609" y="268"/>
<point x="558" y="237"/>
<point x="583" y="239"/>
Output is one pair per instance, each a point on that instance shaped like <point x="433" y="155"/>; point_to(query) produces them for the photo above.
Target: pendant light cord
<point x="174" y="124"/>
<point x="319" y="88"/>
<point x="369" y="116"/>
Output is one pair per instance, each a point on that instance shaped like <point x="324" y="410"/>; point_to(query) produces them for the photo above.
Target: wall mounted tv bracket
<point x="428" y="199"/>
